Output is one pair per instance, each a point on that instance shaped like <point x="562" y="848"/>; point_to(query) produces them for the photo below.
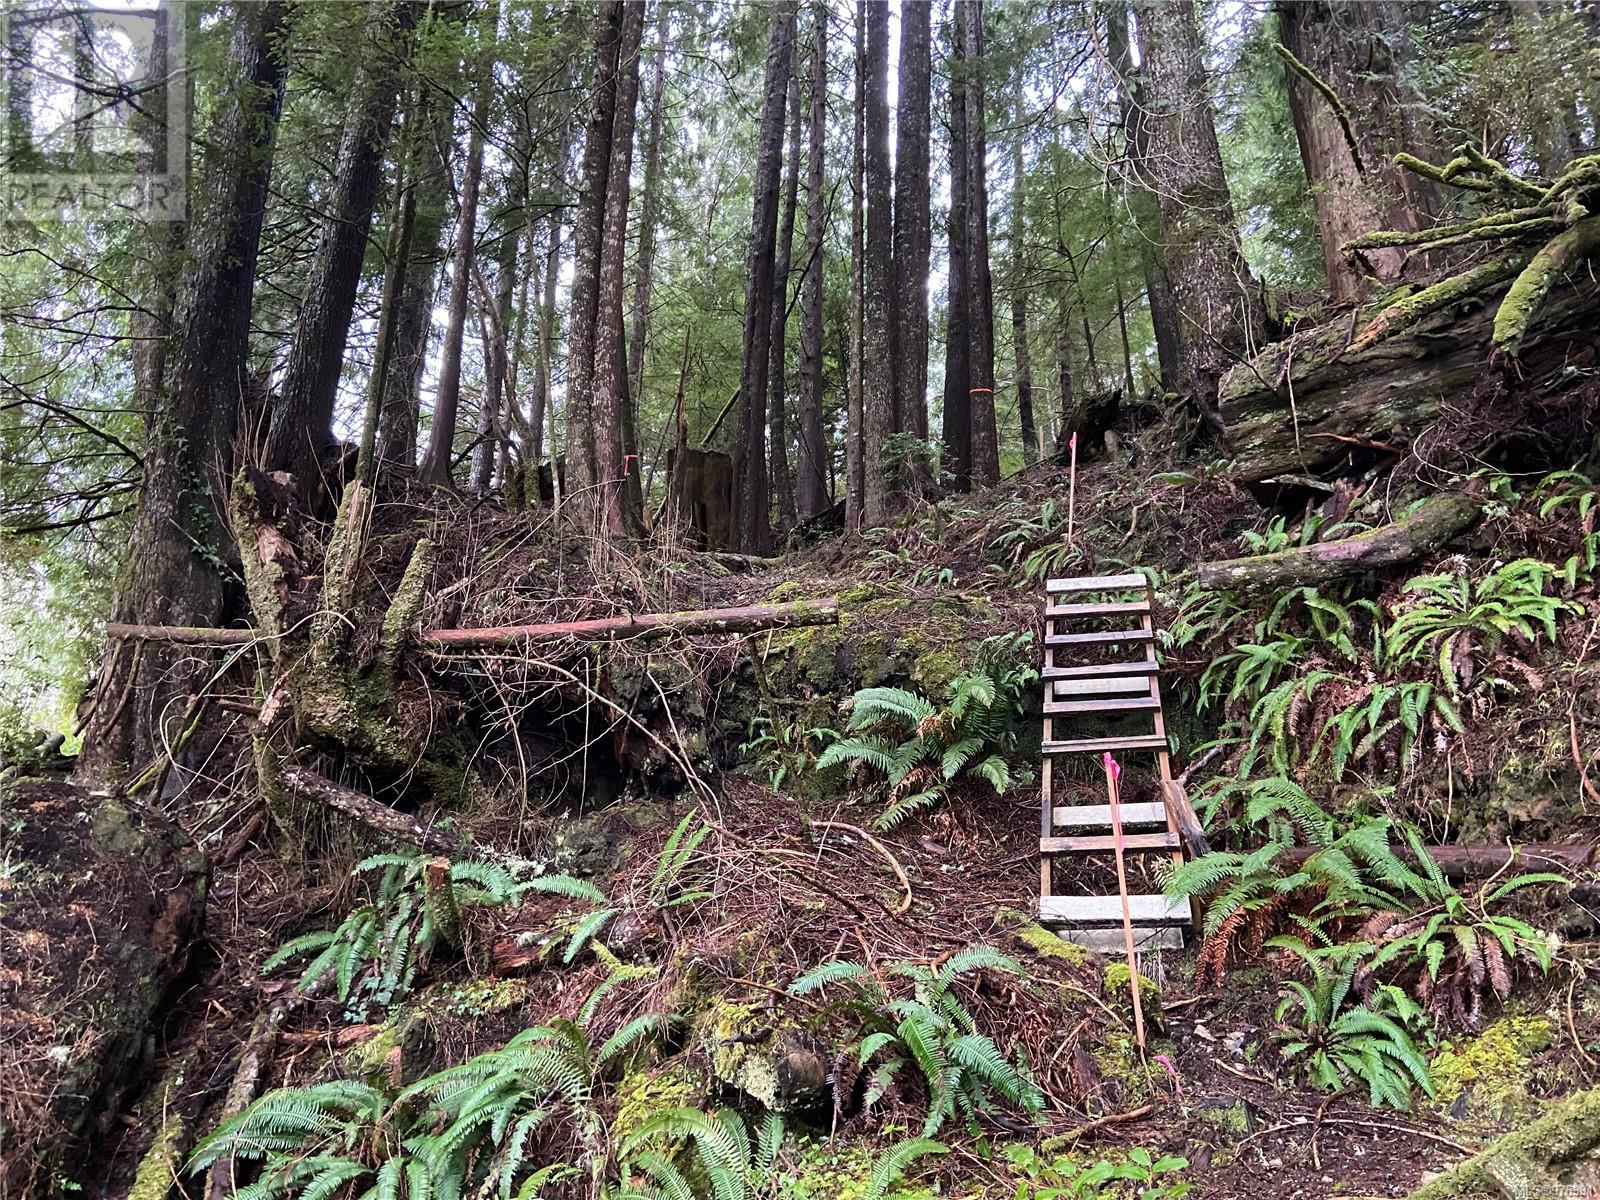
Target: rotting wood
<point x="1433" y="524"/>
<point x="370" y="812"/>
<point x="752" y="618"/>
<point x="1467" y="860"/>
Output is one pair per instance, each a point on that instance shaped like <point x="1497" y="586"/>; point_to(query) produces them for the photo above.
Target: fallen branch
<point x="898" y="910"/>
<point x="1479" y="861"/>
<point x="752" y="618"/>
<point x="1433" y="524"/>
<point x="1062" y="1140"/>
<point x="370" y="812"/>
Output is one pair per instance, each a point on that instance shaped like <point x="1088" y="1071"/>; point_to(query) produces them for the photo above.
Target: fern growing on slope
<point x="914" y="750"/>
<point x="932" y="1031"/>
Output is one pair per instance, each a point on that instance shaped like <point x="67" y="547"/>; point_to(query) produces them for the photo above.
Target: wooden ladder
<point x="1076" y="694"/>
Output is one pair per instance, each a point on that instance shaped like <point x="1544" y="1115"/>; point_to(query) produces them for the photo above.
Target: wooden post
<point x="1112" y="790"/>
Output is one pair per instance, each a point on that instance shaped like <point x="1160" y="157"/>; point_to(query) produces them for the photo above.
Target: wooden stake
<point x="1114" y="792"/>
<point x="1072" y="483"/>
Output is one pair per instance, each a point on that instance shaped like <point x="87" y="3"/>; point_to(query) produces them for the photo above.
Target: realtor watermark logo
<point x="93" y="111"/>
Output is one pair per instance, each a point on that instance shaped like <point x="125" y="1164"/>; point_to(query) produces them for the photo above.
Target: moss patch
<point x="1040" y="941"/>
<point x="1487" y="1075"/>
<point x="824" y="1170"/>
<point x="643" y="1093"/>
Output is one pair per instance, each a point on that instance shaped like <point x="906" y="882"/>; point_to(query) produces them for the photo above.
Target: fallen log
<point x="370" y="812"/>
<point x="1303" y="403"/>
<point x="751" y="618"/>
<point x="1434" y="523"/>
<point x="1482" y="860"/>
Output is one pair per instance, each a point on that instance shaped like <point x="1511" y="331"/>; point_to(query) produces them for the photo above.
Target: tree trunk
<point x="1211" y="284"/>
<point x="980" y="286"/>
<point x="1164" y="316"/>
<point x="611" y="398"/>
<point x="179" y="535"/>
<point x="301" y="427"/>
<point x="495" y="417"/>
<point x="1353" y="46"/>
<point x="650" y="208"/>
<point x="402" y="228"/>
<point x="957" y="419"/>
<point x="583" y="471"/>
<point x="428" y="177"/>
<point x="156" y="265"/>
<point x="912" y="229"/>
<point x="854" y="484"/>
<point x="436" y="462"/>
<point x="878" y="290"/>
<point x="811" y="462"/>
<point x="777" y="418"/>
<point x="752" y="526"/>
<point x="1019" y="286"/>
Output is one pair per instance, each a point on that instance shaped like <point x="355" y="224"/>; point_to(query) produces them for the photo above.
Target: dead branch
<point x="372" y="813"/>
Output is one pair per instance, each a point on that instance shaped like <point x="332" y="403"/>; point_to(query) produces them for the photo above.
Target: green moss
<point x="1039" y="940"/>
<point x="643" y="1093"/>
<point x="162" y="1163"/>
<point x="830" y="1170"/>
<point x="1491" y="1069"/>
<point x="1123" y="1075"/>
<point x="1551" y="1156"/>
<point x="786" y="591"/>
<point x="1115" y="981"/>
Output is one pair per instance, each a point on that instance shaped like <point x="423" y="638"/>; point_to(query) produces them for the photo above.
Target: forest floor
<point x="791" y="880"/>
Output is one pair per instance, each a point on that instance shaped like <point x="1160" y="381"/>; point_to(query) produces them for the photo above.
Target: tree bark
<point x="437" y="459"/>
<point x="811" y="462"/>
<point x="428" y="178"/>
<point x="583" y="471"/>
<point x="782" y="482"/>
<point x="854" y="419"/>
<point x="1211" y="285"/>
<point x="611" y="399"/>
<point x="980" y="285"/>
<point x="1164" y="316"/>
<point x="1433" y="524"/>
<point x="1355" y="47"/>
<point x="878" y="290"/>
<point x="650" y="208"/>
<point x="752" y="525"/>
<point x="179" y="535"/>
<point x="301" y="426"/>
<point x="912" y="227"/>
<point x="1019" y="285"/>
<point x="957" y="418"/>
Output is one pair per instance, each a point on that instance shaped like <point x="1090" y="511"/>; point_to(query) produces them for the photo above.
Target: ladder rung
<point x="1108" y="685"/>
<point x="1124" y="704"/>
<point x="1112" y="941"/>
<point x="1107" y="910"/>
<point x="1143" y="741"/>
<point x="1107" y="609"/>
<point x="1099" y="670"/>
<point x="1106" y="843"/>
<point x="1146" y="814"/>
<point x="1112" y="635"/>
<point x="1096" y="583"/>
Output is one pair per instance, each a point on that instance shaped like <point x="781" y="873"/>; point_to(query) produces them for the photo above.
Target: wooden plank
<point x="1105" y="843"/>
<point x="1104" y="609"/>
<point x="1107" y="910"/>
<point x="1097" y="670"/>
<point x="1109" y="685"/>
<point x="1100" y="637"/>
<point x="1144" y="741"/>
<point x="1109" y="941"/>
<point x="1095" y="583"/>
<point x="1144" y="814"/>
<point x="1118" y="704"/>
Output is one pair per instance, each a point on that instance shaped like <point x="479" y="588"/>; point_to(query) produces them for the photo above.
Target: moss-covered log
<point x="1434" y="523"/>
<point x="1552" y="1156"/>
<point x="372" y="813"/>
<point x="1304" y="405"/>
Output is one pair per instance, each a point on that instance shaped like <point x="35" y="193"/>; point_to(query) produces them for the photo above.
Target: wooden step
<point x="1109" y="608"/>
<point x="1111" y="941"/>
<point x="1147" y="814"/>
<point x="1106" y="843"/>
<point x="1110" y="685"/>
<point x="1143" y="741"/>
<point x="1096" y="583"/>
<point x="1141" y="666"/>
<point x="1122" y="704"/>
<point x="1100" y="638"/>
<point x="1107" y="910"/>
